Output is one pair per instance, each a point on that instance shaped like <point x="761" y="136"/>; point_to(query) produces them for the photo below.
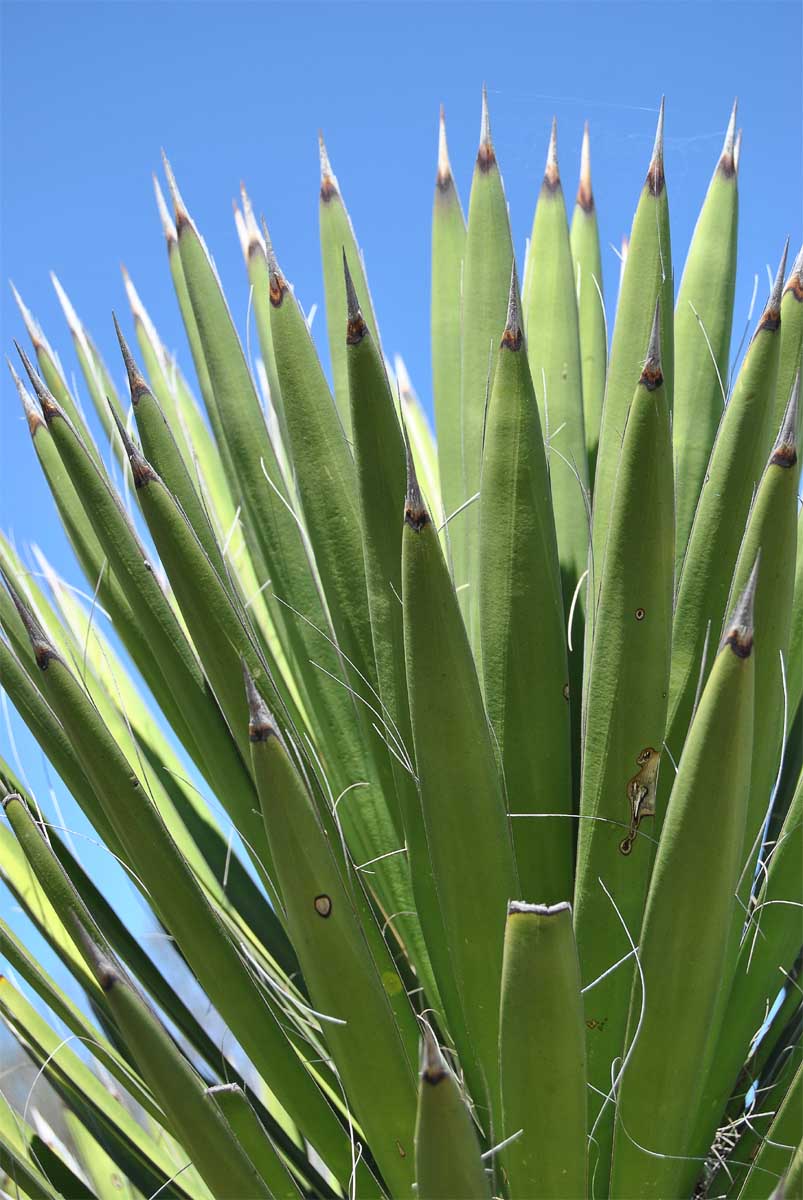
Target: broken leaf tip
<point x="519" y="907"/>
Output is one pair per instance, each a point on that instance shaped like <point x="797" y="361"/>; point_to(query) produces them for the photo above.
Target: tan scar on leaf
<point x="641" y="794"/>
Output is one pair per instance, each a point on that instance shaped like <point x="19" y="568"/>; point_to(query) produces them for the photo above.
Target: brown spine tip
<point x="739" y="630"/>
<point x="485" y="155"/>
<point x="168" y="226"/>
<point x="443" y="179"/>
<point x="182" y="217"/>
<point x="141" y="470"/>
<point x="516" y="907"/>
<point x="727" y="161"/>
<point x="47" y="402"/>
<point x="585" y="196"/>
<point x="652" y="375"/>
<point x="433" y="1064"/>
<point x="276" y="281"/>
<point x="329" y="186"/>
<point x="771" y="316"/>
<point x="261" y="724"/>
<point x="513" y="337"/>
<point x="784" y="452"/>
<point x="136" y="381"/>
<point x="43" y="649"/>
<point x="655" y="172"/>
<point x="415" y="511"/>
<point x="551" y="171"/>
<point x="356" y="328"/>
<point x="32" y="414"/>
<point x="795" y="282"/>
<point x="254" y="242"/>
<point x="403" y="380"/>
<point x="31" y="324"/>
<point x="242" y="232"/>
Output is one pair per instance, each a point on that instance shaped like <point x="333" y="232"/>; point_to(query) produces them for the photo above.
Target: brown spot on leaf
<point x="641" y="794"/>
<point x="323" y="905"/>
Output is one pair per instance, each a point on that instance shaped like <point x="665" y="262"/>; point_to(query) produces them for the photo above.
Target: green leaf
<point x="738" y="458"/>
<point x="590" y="306"/>
<point x="703" y="320"/>
<point x="522" y="625"/>
<point x="448" y="251"/>
<point x="250" y="1133"/>
<point x="776" y="1152"/>
<point x="647" y="278"/>
<point x="461" y="794"/>
<point x="447" y="1157"/>
<point x="542" y="1053"/>
<point x="486" y="285"/>
<point x="373" y="1043"/>
<point x="338" y="239"/>
<point x="553" y="350"/>
<point x="137" y="1154"/>
<point x="216" y="1154"/>
<point x="625" y="715"/>
<point x="696" y="870"/>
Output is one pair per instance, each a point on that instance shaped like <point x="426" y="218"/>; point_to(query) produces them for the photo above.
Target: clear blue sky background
<point x="90" y="92"/>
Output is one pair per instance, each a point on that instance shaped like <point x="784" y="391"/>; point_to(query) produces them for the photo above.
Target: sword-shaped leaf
<point x="448" y="1165"/>
<point x="624" y="728"/>
<point x="522" y="625"/>
<point x="696" y="871"/>
<point x="590" y="305"/>
<point x="738" y="458"/>
<point x="703" y="319"/>
<point x="542" y="1053"/>
<point x="461" y="794"/>
<point x="486" y="287"/>
<point x="338" y="238"/>
<point x="448" y="251"/>
<point x="646" y="278"/>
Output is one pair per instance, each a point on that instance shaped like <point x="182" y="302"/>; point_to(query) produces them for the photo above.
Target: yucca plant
<point x="465" y="782"/>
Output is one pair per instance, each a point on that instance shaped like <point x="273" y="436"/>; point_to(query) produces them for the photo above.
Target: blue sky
<point x="90" y="92"/>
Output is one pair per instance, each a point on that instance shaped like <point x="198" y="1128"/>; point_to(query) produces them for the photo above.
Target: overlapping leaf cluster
<point x="508" y="730"/>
